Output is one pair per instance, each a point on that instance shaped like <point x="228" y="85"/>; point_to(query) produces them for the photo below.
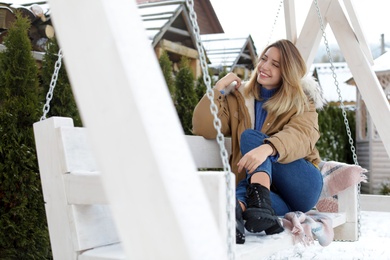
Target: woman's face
<point x="268" y="69"/>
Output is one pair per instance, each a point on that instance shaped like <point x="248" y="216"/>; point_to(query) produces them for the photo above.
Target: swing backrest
<point x="77" y="217"/>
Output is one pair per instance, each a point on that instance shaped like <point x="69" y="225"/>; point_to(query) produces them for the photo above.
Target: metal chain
<point x="346" y="122"/>
<point x="275" y="21"/>
<point x="49" y="95"/>
<point x="217" y="125"/>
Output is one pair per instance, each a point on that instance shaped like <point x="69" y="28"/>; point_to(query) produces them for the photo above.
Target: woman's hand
<point x="251" y="160"/>
<point x="227" y="80"/>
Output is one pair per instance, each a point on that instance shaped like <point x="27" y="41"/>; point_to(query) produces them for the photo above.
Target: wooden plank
<point x="375" y="203"/>
<point x="76" y="150"/>
<point x="353" y="17"/>
<point x="77" y="183"/>
<point x="179" y="49"/>
<point x="206" y="152"/>
<point x="126" y="131"/>
<point x="347" y="202"/>
<point x="110" y="252"/>
<point x="310" y="36"/>
<point x="49" y="162"/>
<point x="290" y="20"/>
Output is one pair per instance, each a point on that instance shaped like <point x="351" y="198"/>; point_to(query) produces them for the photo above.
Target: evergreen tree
<point x="334" y="143"/>
<point x="23" y="228"/>
<point x="166" y="67"/>
<point x="201" y="86"/>
<point x="223" y="73"/>
<point x="63" y="102"/>
<point x="185" y="95"/>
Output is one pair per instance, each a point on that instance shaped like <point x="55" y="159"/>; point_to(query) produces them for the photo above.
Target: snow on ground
<point x="374" y="243"/>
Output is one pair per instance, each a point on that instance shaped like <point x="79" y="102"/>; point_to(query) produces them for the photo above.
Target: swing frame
<point x="145" y="139"/>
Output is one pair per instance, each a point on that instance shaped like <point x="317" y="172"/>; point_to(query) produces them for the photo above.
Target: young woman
<point x="273" y="125"/>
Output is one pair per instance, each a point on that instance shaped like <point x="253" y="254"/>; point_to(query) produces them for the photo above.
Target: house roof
<point x="229" y="51"/>
<point x="326" y="81"/>
<point x="381" y="67"/>
<point x="382" y="63"/>
<point x="206" y="17"/>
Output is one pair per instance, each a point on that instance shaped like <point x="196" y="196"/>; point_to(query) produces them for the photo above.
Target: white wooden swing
<point x="140" y="163"/>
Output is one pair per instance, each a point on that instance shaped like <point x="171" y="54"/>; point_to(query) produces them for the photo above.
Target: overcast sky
<point x="256" y="17"/>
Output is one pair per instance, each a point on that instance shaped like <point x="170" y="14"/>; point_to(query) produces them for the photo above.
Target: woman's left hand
<point x="252" y="159"/>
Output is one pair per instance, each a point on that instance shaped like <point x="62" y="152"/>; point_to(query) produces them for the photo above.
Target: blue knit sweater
<point x="260" y="113"/>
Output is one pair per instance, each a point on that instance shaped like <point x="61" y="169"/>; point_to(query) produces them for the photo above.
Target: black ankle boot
<point x="259" y="214"/>
<point x="240" y="230"/>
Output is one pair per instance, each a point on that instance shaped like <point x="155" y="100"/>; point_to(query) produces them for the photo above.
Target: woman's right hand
<point x="227" y="80"/>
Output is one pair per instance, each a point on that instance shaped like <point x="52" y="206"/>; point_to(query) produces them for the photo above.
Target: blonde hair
<point x="290" y="94"/>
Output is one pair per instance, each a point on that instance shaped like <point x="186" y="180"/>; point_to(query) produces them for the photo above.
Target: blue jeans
<point x="295" y="186"/>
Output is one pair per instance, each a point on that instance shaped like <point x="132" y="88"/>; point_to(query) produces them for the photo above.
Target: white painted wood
<point x="375" y="203"/>
<point x="110" y="252"/>
<point x="347" y="203"/>
<point x="132" y="124"/>
<point x="215" y="186"/>
<point x="77" y="183"/>
<point x="72" y="228"/>
<point x="358" y="30"/>
<point x="311" y="34"/>
<point x="200" y="146"/>
<point x="94" y="222"/>
<point x="54" y="195"/>
<point x="290" y="20"/>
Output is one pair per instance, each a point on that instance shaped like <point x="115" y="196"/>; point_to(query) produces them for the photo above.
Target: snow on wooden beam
<point x="159" y="205"/>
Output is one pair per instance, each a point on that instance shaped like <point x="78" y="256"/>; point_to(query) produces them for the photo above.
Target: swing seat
<point x="78" y="212"/>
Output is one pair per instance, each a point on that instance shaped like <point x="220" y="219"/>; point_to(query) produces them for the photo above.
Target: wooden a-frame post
<point x="159" y="205"/>
<point x="353" y="45"/>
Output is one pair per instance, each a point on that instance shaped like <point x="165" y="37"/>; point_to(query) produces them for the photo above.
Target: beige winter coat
<point x="294" y="136"/>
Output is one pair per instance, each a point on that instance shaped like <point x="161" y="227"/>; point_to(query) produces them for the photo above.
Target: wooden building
<point x="230" y="53"/>
<point x="168" y="27"/>
<point x="370" y="149"/>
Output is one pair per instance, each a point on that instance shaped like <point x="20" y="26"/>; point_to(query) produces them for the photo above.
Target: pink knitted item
<point x="338" y="177"/>
<point x="328" y="204"/>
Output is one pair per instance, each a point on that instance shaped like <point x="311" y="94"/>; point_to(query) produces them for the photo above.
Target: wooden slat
<point x="76" y="185"/>
<point x="206" y="152"/>
<point x="347" y="203"/>
<point x="375" y="203"/>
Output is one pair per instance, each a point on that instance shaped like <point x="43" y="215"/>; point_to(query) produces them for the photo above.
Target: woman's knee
<point x="249" y="135"/>
<point x="251" y="139"/>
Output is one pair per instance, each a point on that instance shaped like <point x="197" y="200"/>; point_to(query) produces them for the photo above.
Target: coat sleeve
<point x="298" y="137"/>
<point x="203" y="120"/>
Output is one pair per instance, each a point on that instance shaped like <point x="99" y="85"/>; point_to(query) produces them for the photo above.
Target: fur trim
<point x="313" y="90"/>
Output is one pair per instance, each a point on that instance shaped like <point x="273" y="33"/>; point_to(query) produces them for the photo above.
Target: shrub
<point x="334" y="143"/>
<point x="166" y="68"/>
<point x="23" y="228"/>
<point x="185" y="95"/>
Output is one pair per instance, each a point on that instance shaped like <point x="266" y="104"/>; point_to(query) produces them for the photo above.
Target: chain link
<point x="49" y="95"/>
<point x="217" y="125"/>
<point x="346" y="122"/>
<point x="275" y="21"/>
